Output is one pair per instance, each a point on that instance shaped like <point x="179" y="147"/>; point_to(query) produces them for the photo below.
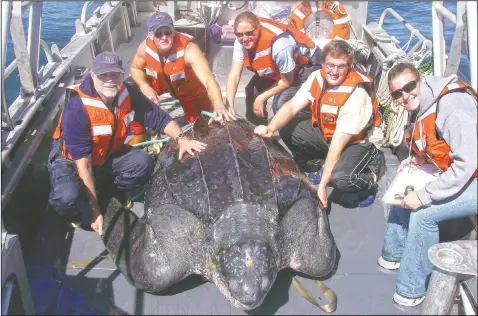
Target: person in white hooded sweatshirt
<point x="442" y="130"/>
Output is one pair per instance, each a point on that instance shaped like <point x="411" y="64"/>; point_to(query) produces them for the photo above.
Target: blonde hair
<point x="336" y="48"/>
<point x="400" y="68"/>
<point x="248" y="17"/>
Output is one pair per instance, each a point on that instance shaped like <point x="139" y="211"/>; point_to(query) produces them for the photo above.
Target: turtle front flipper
<point x="309" y="245"/>
<point x="152" y="257"/>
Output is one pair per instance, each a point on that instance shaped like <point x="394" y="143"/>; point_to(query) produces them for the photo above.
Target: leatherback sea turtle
<point x="236" y="214"/>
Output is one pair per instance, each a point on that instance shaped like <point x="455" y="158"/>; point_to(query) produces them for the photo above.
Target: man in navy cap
<point x="168" y="61"/>
<point x="90" y="142"/>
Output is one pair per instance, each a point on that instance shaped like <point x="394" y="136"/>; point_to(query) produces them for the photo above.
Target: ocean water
<point x="58" y="26"/>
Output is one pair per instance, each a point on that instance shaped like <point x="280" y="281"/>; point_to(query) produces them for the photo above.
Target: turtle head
<point x="249" y="270"/>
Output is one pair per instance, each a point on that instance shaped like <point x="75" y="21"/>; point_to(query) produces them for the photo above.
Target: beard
<point x="109" y="92"/>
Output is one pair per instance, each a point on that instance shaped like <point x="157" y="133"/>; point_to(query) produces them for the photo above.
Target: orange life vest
<point x="326" y="104"/>
<point x="333" y="9"/>
<point x="102" y="125"/>
<point x="426" y="142"/>
<point x="174" y="77"/>
<point x="263" y="64"/>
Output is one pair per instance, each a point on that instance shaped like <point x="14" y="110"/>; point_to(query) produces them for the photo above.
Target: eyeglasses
<point x="409" y="87"/>
<point x="159" y="34"/>
<point x="247" y="33"/>
<point x="109" y="76"/>
<point x="340" y="67"/>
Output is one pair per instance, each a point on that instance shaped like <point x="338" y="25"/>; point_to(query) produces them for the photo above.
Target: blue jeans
<point x="410" y="234"/>
<point x="128" y="169"/>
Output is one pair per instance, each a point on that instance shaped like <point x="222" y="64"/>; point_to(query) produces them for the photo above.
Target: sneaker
<point x="389" y="265"/>
<point x="368" y="200"/>
<point x="316" y="176"/>
<point x="409" y="302"/>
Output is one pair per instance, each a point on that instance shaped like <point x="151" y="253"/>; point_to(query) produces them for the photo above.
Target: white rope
<point x="397" y="118"/>
<point x="407" y="44"/>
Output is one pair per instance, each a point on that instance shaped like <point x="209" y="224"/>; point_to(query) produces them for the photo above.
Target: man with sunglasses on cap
<point x="89" y="143"/>
<point x="281" y="57"/>
<point x="169" y="61"/>
<point x="344" y="117"/>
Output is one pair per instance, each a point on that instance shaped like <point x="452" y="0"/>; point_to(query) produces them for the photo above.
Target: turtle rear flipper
<point x="308" y="240"/>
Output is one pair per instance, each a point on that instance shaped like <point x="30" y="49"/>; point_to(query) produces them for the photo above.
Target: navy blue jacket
<point x="75" y="124"/>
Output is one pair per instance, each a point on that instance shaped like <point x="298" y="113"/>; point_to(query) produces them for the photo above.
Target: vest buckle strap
<point x="177" y="76"/>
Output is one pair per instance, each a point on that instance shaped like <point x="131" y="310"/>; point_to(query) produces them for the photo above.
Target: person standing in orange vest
<point x="281" y="57"/>
<point x="344" y="118"/>
<point x="90" y="143"/>
<point x="169" y="61"/>
<point x="442" y="131"/>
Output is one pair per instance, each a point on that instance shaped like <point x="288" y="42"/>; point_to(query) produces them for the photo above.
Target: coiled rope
<point x="395" y="116"/>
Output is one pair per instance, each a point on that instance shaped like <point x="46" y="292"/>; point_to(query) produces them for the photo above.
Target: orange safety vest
<point x="426" y="142"/>
<point x="171" y="74"/>
<point x="102" y="125"/>
<point x="263" y="64"/>
<point x="333" y="9"/>
<point x="326" y="105"/>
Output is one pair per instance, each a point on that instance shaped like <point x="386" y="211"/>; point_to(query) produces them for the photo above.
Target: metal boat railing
<point x="38" y="85"/>
<point x="109" y="26"/>
<point x="447" y="65"/>
<point x="413" y="31"/>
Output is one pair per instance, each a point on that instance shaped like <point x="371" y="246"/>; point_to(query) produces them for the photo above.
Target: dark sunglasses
<point x="248" y="33"/>
<point x="409" y="87"/>
<point x="161" y="34"/>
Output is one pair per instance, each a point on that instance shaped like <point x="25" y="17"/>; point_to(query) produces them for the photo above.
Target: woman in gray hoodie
<point x="442" y="131"/>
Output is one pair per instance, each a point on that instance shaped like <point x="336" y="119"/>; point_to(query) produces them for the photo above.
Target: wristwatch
<point x="180" y="136"/>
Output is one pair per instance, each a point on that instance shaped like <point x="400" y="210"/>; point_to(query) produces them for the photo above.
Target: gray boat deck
<point x="361" y="287"/>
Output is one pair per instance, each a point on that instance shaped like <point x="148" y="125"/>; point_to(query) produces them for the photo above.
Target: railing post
<point x="34" y="29"/>
<point x="472" y="24"/>
<point x="127" y="29"/>
<point x="438" y="40"/>
<point x="108" y="29"/>
<point x="20" y="48"/>
<point x="453" y="61"/>
<point x="6" y="11"/>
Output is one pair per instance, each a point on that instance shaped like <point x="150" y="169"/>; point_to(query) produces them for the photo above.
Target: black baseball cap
<point x="107" y="62"/>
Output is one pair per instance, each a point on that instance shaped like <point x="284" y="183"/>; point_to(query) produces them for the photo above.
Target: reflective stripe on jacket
<point x="326" y="104"/>
<point x="102" y="124"/>
<point x="171" y="74"/>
